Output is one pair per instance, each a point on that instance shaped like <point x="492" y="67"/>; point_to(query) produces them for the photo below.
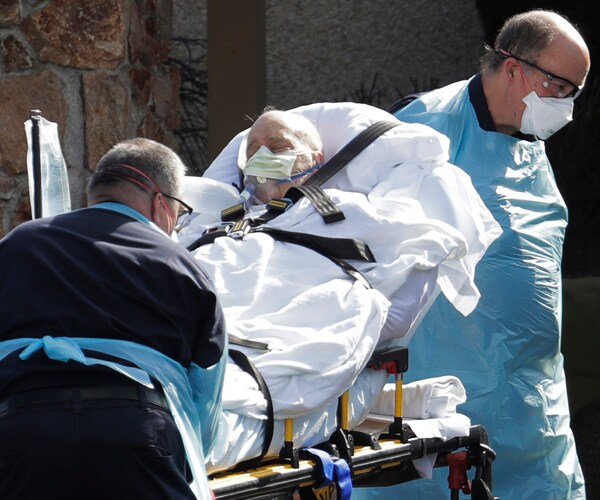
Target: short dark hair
<point x="157" y="161"/>
<point x="523" y="35"/>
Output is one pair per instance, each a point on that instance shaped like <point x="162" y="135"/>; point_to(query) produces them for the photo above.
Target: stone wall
<point x="95" y="67"/>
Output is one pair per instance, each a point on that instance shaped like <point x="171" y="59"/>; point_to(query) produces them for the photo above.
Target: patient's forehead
<point x="273" y="130"/>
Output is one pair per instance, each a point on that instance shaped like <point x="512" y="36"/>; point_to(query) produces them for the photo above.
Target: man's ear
<point x="155" y="206"/>
<point x="511" y="67"/>
<point x="159" y="212"/>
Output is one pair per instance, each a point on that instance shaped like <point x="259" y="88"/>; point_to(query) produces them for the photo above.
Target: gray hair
<point x="523" y="35"/>
<point x="301" y="127"/>
<point x="308" y="135"/>
<point x="306" y="132"/>
<point x="157" y="163"/>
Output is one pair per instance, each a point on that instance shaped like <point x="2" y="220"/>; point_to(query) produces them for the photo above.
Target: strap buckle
<point x="239" y="229"/>
<point x="218" y="227"/>
<point x="279" y="205"/>
<point x="233" y="213"/>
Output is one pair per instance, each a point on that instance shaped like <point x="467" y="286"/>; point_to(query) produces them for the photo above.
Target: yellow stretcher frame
<point x="373" y="462"/>
<point x="391" y="464"/>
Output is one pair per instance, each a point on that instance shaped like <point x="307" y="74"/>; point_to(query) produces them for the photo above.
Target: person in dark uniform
<point x="71" y="426"/>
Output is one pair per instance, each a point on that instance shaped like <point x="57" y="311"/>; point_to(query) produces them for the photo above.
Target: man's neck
<point x="499" y="103"/>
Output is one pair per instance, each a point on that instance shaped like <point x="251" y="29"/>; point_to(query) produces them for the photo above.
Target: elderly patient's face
<point x="275" y="131"/>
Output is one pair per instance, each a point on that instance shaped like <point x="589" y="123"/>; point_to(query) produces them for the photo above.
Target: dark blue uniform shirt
<point x="100" y="273"/>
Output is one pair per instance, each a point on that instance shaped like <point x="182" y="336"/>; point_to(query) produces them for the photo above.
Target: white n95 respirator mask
<point x="543" y="117"/>
<point x="265" y="163"/>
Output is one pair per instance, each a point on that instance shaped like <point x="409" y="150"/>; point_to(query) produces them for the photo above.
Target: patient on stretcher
<point x="308" y="326"/>
<point x="282" y="150"/>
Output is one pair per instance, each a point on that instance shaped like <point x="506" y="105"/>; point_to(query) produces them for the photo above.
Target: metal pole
<point x="35" y="115"/>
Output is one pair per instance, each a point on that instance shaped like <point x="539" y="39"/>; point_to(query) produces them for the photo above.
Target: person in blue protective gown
<point x="507" y="352"/>
<point x="112" y="343"/>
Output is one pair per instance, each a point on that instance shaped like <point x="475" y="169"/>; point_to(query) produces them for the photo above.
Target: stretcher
<point x="390" y="464"/>
<point x="355" y="459"/>
<point x="433" y="230"/>
<point x="427" y="228"/>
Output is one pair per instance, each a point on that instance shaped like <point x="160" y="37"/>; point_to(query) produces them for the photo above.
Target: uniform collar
<point x="126" y="210"/>
<point x="477" y="98"/>
<point x="480" y="105"/>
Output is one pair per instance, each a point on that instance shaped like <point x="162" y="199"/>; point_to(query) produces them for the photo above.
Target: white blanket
<point x="320" y="324"/>
<point x="423" y="221"/>
<point x="241" y="431"/>
<point x="427" y="398"/>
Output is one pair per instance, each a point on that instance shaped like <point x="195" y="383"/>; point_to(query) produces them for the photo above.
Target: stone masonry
<point x="97" y="68"/>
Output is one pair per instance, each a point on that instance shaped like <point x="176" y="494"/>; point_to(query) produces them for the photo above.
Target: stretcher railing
<point x="371" y="461"/>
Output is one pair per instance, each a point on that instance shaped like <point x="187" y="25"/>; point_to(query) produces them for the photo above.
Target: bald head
<point x="283" y="133"/>
<point x="541" y="34"/>
<point x="537" y="52"/>
<point x="283" y="130"/>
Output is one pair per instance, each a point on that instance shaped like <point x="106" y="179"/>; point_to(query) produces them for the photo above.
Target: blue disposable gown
<point x="507" y="352"/>
<point x="193" y="395"/>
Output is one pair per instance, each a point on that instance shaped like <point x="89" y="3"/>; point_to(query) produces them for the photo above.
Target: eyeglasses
<point x="559" y="86"/>
<point x="184" y="214"/>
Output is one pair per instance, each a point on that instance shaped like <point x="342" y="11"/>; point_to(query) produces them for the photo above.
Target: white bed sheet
<point x="427" y="228"/>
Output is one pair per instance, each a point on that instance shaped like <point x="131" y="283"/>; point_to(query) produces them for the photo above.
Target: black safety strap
<point x="350" y="151"/>
<point x="234" y="339"/>
<point x="275" y="208"/>
<point x="335" y="249"/>
<point x="403" y="102"/>
<point x="246" y="364"/>
<point x="320" y="200"/>
<point x="323" y="204"/>
<point x="339" y="248"/>
<point x="205" y="239"/>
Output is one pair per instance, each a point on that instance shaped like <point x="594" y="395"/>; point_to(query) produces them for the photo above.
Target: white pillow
<point x="337" y="123"/>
